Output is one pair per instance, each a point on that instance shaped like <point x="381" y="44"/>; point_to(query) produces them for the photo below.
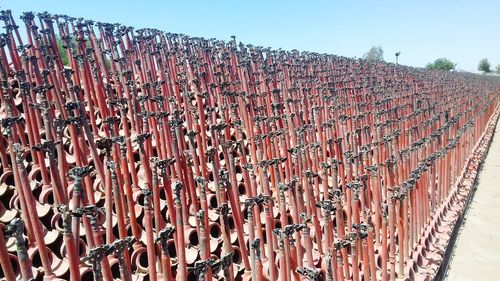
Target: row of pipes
<point x="136" y="154"/>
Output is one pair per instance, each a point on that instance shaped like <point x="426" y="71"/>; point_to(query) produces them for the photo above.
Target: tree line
<point x="377" y="54"/>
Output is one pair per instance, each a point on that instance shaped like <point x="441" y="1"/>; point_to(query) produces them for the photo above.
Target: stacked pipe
<point x="158" y="156"/>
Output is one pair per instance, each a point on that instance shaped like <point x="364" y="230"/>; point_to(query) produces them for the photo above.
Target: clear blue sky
<point x="463" y="31"/>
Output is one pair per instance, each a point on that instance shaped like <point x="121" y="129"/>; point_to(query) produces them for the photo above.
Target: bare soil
<point x="477" y="250"/>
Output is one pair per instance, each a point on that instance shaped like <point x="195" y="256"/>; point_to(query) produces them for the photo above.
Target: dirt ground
<point x="477" y="250"/>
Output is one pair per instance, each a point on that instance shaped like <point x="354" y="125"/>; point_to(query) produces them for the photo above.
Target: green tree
<point x="64" y="55"/>
<point x="441" y="64"/>
<point x="62" y="51"/>
<point x="497" y="69"/>
<point x="484" y="66"/>
<point x="374" y="54"/>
